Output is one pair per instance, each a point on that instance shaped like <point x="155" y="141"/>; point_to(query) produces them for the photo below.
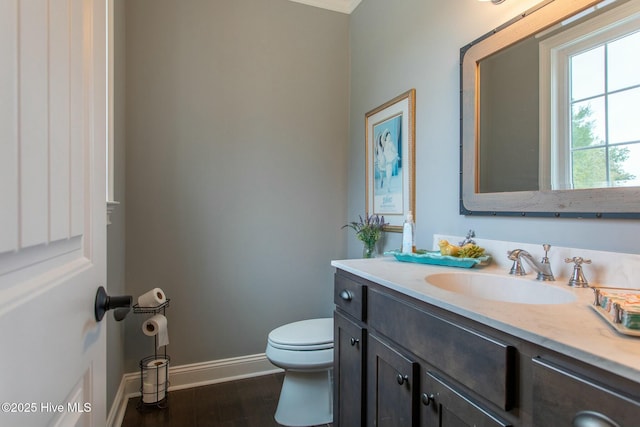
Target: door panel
<point x="43" y="142"/>
<point x="8" y="124"/>
<point x="451" y="407"/>
<point x="77" y="411"/>
<point x="349" y="372"/>
<point x="52" y="215"/>
<point x="392" y="386"/>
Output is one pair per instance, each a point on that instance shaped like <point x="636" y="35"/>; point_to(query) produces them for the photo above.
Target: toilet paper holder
<point x="121" y="305"/>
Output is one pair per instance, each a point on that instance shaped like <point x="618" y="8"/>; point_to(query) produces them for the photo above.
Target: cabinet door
<point x="348" y="373"/>
<point x="392" y="387"/>
<point x="563" y="397"/>
<point x="445" y="405"/>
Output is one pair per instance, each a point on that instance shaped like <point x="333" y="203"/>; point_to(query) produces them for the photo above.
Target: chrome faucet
<point x="469" y="239"/>
<point x="543" y="267"/>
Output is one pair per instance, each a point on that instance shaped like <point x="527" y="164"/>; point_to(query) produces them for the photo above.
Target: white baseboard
<point x="119" y="406"/>
<point x="192" y="375"/>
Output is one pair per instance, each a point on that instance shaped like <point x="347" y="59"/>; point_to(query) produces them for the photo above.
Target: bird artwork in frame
<point x="390" y="160"/>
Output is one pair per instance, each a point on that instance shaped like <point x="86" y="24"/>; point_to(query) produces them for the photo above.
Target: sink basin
<point x="501" y="288"/>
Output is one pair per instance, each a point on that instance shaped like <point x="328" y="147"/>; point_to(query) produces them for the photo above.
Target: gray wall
<point x="116" y="231"/>
<point x="509" y="105"/>
<point x="237" y="129"/>
<point x="416" y="43"/>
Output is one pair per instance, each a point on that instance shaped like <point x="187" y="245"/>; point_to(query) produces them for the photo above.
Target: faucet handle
<point x="546" y="248"/>
<point x="577" y="278"/>
<point x="545" y="258"/>
<point x="546" y="275"/>
<point x="577" y="260"/>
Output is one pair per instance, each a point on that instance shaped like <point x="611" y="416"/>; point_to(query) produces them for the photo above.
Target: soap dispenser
<point x="409" y="235"/>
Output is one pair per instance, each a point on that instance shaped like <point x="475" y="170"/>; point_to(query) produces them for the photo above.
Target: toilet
<point x="304" y="350"/>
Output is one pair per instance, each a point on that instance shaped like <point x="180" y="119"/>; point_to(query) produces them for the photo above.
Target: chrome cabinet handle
<point x="402" y="379"/>
<point x="354" y="341"/>
<point x="427" y="399"/>
<point x="346" y="295"/>
<point x="592" y="419"/>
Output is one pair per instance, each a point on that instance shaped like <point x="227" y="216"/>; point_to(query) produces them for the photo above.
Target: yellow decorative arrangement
<point x="469" y="250"/>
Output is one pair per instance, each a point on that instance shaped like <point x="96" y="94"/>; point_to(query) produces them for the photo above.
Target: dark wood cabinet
<point x="403" y="362"/>
<point x="566" y="397"/>
<point x="482" y="363"/>
<point x="350" y="347"/>
<point x="447" y="405"/>
<point x="392" y="386"/>
<point x="349" y="352"/>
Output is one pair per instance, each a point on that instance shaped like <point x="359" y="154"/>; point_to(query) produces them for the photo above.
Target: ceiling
<point x="344" y="6"/>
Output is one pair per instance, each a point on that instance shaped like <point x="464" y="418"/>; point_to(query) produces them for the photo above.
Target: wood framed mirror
<point x="549" y="122"/>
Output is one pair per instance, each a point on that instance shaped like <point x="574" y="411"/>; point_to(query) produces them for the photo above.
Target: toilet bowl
<point x="304" y="350"/>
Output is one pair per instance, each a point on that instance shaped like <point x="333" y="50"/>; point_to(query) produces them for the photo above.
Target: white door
<point x="52" y="212"/>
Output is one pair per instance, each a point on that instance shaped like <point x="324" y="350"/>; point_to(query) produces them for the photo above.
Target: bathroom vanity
<point x="409" y="353"/>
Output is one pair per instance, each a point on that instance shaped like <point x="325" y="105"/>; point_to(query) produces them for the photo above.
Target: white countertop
<point x="574" y="329"/>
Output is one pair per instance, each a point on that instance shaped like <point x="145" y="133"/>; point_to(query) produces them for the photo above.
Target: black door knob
<point x="427" y="399"/>
<point x="402" y="379"/>
<point x="121" y="305"/>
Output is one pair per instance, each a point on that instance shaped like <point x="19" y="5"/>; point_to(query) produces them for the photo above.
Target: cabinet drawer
<point x="350" y="296"/>
<point x="480" y="363"/>
<point x="446" y="406"/>
<point x="560" y="394"/>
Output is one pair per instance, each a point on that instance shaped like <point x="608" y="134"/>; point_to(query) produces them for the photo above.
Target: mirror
<point x="548" y="104"/>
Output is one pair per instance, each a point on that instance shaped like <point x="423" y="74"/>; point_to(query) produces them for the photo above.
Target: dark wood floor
<point x="244" y="403"/>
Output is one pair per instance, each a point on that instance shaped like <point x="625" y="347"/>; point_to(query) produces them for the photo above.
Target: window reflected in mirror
<point x="605" y="132"/>
<point x="558" y="110"/>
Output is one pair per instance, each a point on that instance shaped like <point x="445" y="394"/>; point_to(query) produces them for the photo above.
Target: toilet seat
<point x="305" y="335"/>
<point x="303" y="345"/>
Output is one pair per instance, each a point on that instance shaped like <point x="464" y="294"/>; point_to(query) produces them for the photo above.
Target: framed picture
<point x="390" y="160"/>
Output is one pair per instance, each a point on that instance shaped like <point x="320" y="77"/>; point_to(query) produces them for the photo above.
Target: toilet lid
<point x="313" y="334"/>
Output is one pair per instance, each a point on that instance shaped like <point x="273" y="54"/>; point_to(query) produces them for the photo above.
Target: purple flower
<point x="369" y="229"/>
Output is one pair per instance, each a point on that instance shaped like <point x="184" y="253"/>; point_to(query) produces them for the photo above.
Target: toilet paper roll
<point x="152" y="393"/>
<point x="156" y="372"/>
<point x="157" y="326"/>
<point x="155" y="380"/>
<point x="152" y="298"/>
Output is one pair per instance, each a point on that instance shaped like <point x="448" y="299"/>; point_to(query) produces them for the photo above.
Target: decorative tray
<point x="435" y="258"/>
<point x="610" y="306"/>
